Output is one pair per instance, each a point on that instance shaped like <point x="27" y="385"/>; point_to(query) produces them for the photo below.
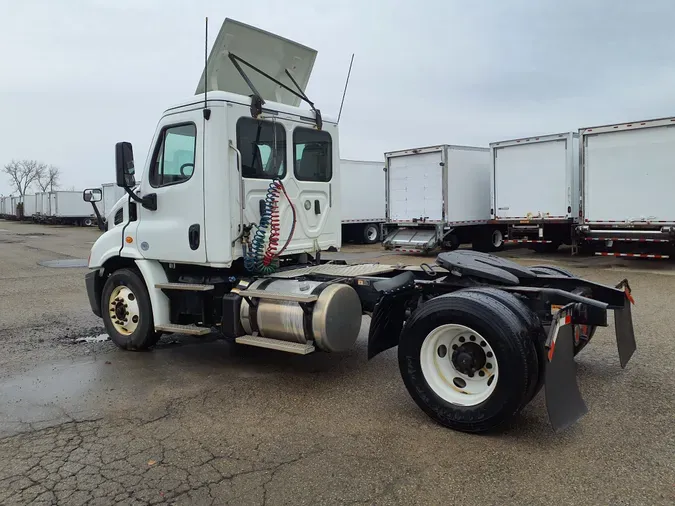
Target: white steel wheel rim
<point x="124" y="311"/>
<point x="497" y="238"/>
<point x="442" y="374"/>
<point x="371" y="233"/>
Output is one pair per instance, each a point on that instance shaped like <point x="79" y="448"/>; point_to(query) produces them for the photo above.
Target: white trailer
<point x="363" y="203"/>
<point x="535" y="189"/>
<point x="439" y="196"/>
<point x="67" y="207"/>
<point x="41" y="206"/>
<point x="628" y="176"/>
<point x="111" y="195"/>
<point x="14" y="207"/>
<point x="4" y="206"/>
<point x="29" y="207"/>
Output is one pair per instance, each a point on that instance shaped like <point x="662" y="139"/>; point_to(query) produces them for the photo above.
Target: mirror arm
<point x="147" y="201"/>
<point x="100" y="221"/>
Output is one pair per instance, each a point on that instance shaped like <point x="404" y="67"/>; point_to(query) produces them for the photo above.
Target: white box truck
<point x="67" y="207"/>
<point x="628" y="179"/>
<point x="535" y="189"/>
<point x="363" y="203"/>
<point x="111" y="195"/>
<point x="439" y="196"/>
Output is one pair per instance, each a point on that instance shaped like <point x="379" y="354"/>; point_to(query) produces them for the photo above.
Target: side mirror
<point x="92" y="195"/>
<point x="124" y="165"/>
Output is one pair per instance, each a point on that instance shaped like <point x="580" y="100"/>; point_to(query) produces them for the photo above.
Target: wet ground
<point x="200" y="421"/>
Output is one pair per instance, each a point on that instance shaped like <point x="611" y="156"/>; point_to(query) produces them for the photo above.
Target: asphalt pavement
<point x="201" y="421"/>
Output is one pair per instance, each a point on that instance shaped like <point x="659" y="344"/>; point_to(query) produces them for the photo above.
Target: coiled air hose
<point x="262" y="256"/>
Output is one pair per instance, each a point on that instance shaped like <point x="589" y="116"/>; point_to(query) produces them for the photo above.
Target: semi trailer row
<point x="603" y="190"/>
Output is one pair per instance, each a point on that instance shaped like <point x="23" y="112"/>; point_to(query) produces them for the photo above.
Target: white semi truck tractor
<point x="224" y="230"/>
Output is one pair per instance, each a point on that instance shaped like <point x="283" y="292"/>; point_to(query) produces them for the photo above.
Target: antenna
<point x="344" y="93"/>
<point x="207" y="111"/>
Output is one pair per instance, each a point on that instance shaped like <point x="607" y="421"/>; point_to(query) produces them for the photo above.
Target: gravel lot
<point x="200" y="421"/>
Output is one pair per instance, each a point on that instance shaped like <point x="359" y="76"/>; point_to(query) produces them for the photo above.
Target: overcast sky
<point x="76" y="76"/>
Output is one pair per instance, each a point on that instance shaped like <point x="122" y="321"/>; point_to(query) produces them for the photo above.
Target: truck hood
<point x="268" y="52"/>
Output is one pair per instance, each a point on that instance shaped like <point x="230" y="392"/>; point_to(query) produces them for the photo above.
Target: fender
<point x="153" y="273"/>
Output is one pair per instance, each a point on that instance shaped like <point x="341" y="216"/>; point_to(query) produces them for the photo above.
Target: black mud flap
<point x="563" y="399"/>
<point x="386" y="325"/>
<point x="625" y="334"/>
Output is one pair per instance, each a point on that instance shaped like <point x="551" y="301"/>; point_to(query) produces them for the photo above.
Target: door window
<point x="262" y="145"/>
<point x="313" y="155"/>
<point x="174" y="157"/>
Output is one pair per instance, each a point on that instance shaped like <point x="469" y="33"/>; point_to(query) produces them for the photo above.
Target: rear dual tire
<point x="439" y="377"/>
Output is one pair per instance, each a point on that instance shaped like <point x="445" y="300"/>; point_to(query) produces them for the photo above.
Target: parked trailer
<point x="41" y="206"/>
<point x="363" y="202"/>
<point x="29" y="207"/>
<point x="535" y="189"/>
<point x="439" y="196"/>
<point x="627" y="204"/>
<point x="4" y="206"/>
<point x="111" y="195"/>
<point x="14" y="207"/>
<point x="67" y="207"/>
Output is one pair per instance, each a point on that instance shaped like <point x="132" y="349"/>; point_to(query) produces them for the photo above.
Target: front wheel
<point x="127" y="311"/>
<point x="466" y="361"/>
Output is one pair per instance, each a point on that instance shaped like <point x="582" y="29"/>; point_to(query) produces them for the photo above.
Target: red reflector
<point x="629" y="125"/>
<point x="568" y="319"/>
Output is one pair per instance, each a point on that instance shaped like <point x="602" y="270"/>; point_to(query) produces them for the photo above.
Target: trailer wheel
<point x="488" y="240"/>
<point x="547" y="247"/>
<point x="371" y="233"/>
<point x="127" y="312"/>
<point x="582" y="333"/>
<point x="87" y="222"/>
<point x="466" y="360"/>
<point x="450" y="242"/>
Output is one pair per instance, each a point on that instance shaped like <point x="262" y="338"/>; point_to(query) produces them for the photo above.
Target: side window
<point x="313" y="155"/>
<point x="262" y="145"/>
<point x="174" y="158"/>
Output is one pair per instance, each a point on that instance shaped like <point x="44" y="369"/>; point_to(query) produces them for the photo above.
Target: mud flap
<point x="625" y="334"/>
<point x="563" y="399"/>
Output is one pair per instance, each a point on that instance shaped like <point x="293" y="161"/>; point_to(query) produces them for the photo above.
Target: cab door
<point x="316" y="183"/>
<point x="301" y="157"/>
<point x="175" y="231"/>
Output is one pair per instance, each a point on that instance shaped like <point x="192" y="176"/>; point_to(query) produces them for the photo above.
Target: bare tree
<point x="23" y="173"/>
<point x="48" y="178"/>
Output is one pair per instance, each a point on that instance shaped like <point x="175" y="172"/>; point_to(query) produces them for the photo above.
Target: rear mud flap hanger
<point x="257" y="101"/>
<point x="564" y="403"/>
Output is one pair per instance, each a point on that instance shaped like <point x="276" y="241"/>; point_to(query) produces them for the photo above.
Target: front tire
<point x="448" y="342"/>
<point x="127" y="311"/>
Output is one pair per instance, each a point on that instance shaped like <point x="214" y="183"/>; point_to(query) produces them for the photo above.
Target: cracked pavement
<point x="200" y="421"/>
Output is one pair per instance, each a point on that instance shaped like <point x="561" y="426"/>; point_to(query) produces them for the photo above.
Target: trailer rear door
<point x="628" y="172"/>
<point x="532" y="179"/>
<point x="415" y="186"/>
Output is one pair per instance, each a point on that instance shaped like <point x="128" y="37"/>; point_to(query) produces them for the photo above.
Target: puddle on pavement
<point x="93" y="339"/>
<point x="65" y="264"/>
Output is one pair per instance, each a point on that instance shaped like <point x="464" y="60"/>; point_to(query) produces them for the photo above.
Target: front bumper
<point x="94" y="284"/>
